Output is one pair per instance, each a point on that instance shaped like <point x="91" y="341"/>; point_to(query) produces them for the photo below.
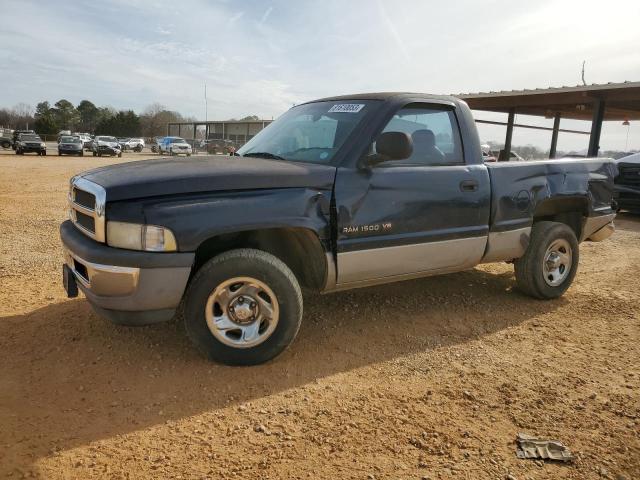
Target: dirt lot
<point x="424" y="379"/>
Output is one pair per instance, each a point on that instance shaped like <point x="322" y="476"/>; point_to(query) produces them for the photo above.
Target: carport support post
<point x="509" y="136"/>
<point x="596" y="128"/>
<point x="194" y="137"/>
<point x="168" y="129"/>
<point x="554" y="136"/>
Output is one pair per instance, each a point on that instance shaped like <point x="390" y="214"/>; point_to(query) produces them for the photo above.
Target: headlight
<point x="134" y="236"/>
<point x="43" y="144"/>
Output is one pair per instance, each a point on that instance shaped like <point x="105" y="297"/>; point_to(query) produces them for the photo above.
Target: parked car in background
<point x="488" y="157"/>
<point x="105" y="145"/>
<point x="627" y="183"/>
<point x="135" y="144"/>
<point x="16" y="134"/>
<point x="513" y="156"/>
<point x="6" y="137"/>
<point x="30" y="143"/>
<point x="226" y="147"/>
<point x="86" y="140"/>
<point x="70" y="145"/>
<point x="63" y="133"/>
<point x="174" y="146"/>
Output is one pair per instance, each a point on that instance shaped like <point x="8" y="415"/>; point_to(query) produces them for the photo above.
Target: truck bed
<point x="520" y="190"/>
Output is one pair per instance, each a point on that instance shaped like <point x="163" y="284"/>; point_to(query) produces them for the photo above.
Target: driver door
<point x="423" y="215"/>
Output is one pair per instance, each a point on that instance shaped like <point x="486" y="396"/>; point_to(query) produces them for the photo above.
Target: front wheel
<point x="243" y="307"/>
<point x="550" y="263"/>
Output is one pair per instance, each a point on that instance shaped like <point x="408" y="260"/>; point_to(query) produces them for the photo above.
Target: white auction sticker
<point x="346" y="108"/>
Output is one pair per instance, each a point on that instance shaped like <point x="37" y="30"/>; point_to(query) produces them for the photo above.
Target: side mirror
<point x="389" y="146"/>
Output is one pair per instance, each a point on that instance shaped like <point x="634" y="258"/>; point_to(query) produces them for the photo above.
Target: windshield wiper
<point x="269" y="155"/>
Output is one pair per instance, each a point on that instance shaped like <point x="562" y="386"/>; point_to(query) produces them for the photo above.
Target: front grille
<point x="86" y="222"/>
<point x="87" y="205"/>
<point x="33" y="144"/>
<point x="85" y="199"/>
<point x="629" y="175"/>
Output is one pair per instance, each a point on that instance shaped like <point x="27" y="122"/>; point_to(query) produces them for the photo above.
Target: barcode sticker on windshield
<point x="346" y="108"/>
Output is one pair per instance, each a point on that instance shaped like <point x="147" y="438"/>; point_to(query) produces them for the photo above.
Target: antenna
<point x="583" y="81"/>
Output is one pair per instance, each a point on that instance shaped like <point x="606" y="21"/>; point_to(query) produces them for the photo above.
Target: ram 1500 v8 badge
<point x="337" y="193"/>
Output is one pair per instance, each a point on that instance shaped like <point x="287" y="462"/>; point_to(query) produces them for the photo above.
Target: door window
<point x="435" y="135"/>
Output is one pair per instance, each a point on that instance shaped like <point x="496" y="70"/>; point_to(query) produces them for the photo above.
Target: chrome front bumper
<point x="103" y="280"/>
<point x="125" y="281"/>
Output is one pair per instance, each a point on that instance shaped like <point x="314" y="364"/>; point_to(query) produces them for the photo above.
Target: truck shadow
<point x="73" y="378"/>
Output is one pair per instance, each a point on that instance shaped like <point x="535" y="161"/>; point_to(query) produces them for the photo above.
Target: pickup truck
<point x="338" y="193"/>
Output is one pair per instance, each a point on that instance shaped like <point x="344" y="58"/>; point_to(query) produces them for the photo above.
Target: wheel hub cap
<point x="242" y="312"/>
<point x="557" y="263"/>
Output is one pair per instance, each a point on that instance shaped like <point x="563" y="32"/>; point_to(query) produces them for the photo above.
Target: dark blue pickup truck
<point x="338" y="193"/>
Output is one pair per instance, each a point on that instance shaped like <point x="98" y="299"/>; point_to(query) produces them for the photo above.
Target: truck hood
<point x="168" y="176"/>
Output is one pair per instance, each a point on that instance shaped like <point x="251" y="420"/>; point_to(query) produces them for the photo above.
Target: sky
<point x="263" y="57"/>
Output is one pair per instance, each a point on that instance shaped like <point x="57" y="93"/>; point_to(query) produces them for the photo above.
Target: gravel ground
<point x="430" y="378"/>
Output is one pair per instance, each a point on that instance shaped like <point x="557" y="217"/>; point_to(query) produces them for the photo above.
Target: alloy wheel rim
<point x="557" y="262"/>
<point x="242" y="312"/>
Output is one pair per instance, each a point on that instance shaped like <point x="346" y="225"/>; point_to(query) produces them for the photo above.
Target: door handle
<point x="469" y="186"/>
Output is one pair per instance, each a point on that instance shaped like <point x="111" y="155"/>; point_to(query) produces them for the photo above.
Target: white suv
<point x="135" y="144"/>
<point x="174" y="146"/>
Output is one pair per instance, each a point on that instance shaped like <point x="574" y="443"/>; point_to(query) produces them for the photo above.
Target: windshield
<point x="177" y="140"/>
<point x="107" y="139"/>
<point x="313" y="132"/>
<point x="70" y="140"/>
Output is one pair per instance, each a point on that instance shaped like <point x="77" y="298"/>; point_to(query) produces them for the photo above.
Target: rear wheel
<point x="550" y="263"/>
<point x="95" y="154"/>
<point x="243" y="307"/>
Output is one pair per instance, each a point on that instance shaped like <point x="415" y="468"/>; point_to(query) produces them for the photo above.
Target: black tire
<point x="44" y="154"/>
<point x="59" y="154"/>
<point x="81" y="153"/>
<point x="120" y="155"/>
<point x="95" y="154"/>
<point x="258" y="265"/>
<point x="529" y="269"/>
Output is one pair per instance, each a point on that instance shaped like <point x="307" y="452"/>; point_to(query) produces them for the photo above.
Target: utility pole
<point x="206" y="106"/>
<point x="583" y="81"/>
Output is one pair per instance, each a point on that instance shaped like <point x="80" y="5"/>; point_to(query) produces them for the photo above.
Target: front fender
<point x="196" y="218"/>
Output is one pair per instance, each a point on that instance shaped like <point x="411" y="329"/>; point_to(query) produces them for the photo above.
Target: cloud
<point x="266" y="14"/>
<point x="235" y="18"/>
<point x="289" y="53"/>
<point x="391" y="28"/>
<point x="163" y="30"/>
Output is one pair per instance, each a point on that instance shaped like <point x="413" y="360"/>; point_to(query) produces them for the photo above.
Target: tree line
<point x="86" y="117"/>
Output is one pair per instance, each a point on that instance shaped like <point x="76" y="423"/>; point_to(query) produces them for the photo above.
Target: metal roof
<point x="622" y="101"/>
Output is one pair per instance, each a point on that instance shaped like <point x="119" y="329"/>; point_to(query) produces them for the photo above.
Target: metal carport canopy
<point x="596" y="102"/>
